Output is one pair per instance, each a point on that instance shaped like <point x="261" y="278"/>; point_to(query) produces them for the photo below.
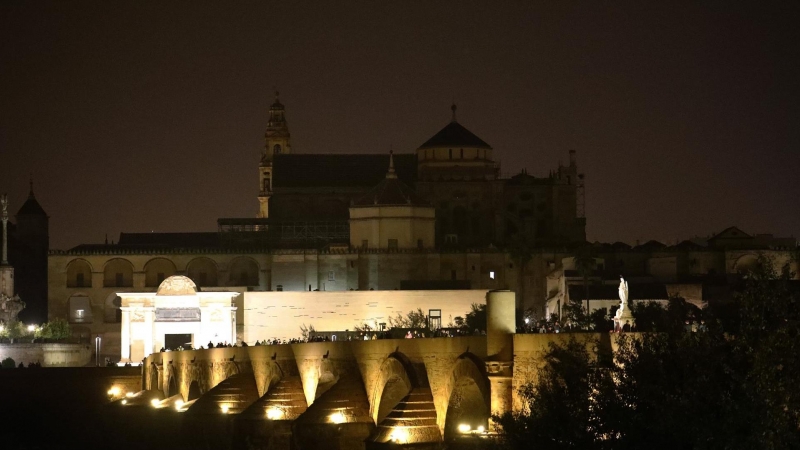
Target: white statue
<point x="623" y="297"/>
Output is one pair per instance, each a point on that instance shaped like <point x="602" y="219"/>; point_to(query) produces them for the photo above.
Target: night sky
<point x="140" y="116"/>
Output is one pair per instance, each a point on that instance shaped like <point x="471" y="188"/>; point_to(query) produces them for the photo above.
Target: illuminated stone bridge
<point x="349" y="394"/>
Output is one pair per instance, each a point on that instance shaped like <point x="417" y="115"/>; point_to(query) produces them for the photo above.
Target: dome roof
<point x="455" y="135"/>
<point x="177" y="285"/>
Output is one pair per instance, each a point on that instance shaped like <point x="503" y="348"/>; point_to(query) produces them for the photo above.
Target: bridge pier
<point x="501" y="326"/>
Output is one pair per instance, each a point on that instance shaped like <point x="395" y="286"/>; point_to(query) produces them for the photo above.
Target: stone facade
<point x="88" y="279"/>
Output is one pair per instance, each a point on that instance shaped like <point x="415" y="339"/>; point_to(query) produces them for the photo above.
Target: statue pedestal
<point x="625" y="317"/>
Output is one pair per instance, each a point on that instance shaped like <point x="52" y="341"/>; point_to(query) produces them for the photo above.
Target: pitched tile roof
<point x="31" y="208"/>
<point x="388" y="192"/>
<point x="328" y="170"/>
<point x="455" y="135"/>
<point x="199" y="239"/>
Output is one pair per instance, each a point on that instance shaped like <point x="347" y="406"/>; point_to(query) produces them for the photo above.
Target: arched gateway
<point x="176" y="316"/>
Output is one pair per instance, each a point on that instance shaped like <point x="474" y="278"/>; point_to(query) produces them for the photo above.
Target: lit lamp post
<point x="97" y="351"/>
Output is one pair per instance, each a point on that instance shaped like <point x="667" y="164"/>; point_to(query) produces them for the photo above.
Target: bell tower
<point x="276" y="142"/>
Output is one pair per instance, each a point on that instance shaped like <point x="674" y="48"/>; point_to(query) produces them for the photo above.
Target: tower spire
<point x="30" y="192"/>
<point x="391" y="173"/>
<point x="453" y="108"/>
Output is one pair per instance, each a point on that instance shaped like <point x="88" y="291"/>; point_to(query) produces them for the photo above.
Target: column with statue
<point x="10" y="304"/>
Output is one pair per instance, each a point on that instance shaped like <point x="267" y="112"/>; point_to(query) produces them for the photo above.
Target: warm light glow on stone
<point x="337" y="417"/>
<point x="225" y="408"/>
<point x="464" y="428"/>
<point x="178" y="404"/>
<point x="114" y="391"/>
<point x="124" y="402"/>
<point x="154" y="402"/>
<point x="274" y="413"/>
<point x="399" y="435"/>
<point x="481" y="429"/>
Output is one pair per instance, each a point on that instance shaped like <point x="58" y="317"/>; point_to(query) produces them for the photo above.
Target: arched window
<point x="276" y="149"/>
<point x="80" y="309"/>
<point x="157" y="270"/>
<point x="203" y="271"/>
<point x="79" y="274"/>
<point x="118" y="272"/>
<point x="243" y="271"/>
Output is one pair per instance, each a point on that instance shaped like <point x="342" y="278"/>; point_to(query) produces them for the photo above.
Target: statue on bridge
<point x="623" y="317"/>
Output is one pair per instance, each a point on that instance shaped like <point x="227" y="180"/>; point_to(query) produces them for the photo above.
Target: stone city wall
<point x="48" y="355"/>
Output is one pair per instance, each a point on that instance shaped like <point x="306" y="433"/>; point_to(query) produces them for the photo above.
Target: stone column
<point x="149" y="331"/>
<point x="500" y="324"/>
<point x="125" y="336"/>
<point x="233" y="326"/>
<point x="205" y="336"/>
<point x="500" y="330"/>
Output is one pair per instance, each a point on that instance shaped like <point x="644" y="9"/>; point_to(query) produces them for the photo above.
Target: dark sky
<point x="139" y="116"/>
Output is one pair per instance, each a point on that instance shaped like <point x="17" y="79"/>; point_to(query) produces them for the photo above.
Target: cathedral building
<point x="454" y="172"/>
<point x="439" y="217"/>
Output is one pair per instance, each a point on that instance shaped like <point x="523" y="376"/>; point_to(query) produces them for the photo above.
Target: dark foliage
<point x="732" y="384"/>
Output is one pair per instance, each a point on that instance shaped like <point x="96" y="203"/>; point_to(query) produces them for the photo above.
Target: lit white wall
<point x="270" y="315"/>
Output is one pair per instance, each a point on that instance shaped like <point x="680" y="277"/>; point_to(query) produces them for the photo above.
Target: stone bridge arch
<point x="745" y="263"/>
<point x="401" y="405"/>
<point x="394" y="381"/>
<point x="468" y="396"/>
<point x="193" y="379"/>
<point x="194" y="392"/>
